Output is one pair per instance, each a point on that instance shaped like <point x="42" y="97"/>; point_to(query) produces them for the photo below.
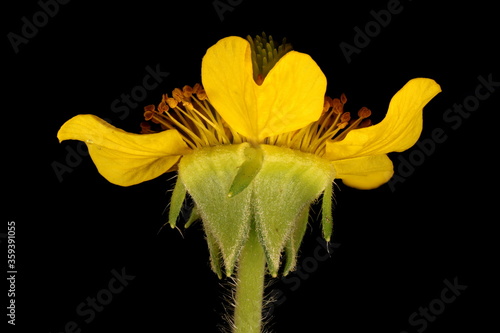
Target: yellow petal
<point x="125" y="158"/>
<point x="227" y="77"/>
<point x="399" y="130"/>
<point x="291" y="96"/>
<point x="364" y="173"/>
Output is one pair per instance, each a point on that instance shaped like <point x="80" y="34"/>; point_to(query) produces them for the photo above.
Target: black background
<point x="396" y="247"/>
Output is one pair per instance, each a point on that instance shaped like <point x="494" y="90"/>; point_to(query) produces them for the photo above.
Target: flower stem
<point x="250" y="287"/>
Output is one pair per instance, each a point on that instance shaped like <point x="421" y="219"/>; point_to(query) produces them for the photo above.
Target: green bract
<point x="239" y="187"/>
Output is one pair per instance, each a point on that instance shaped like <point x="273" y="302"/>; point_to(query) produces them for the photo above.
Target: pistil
<point x="265" y="54"/>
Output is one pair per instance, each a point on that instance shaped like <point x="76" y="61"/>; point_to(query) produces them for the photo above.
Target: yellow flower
<point x="291" y="98"/>
<point x="256" y="145"/>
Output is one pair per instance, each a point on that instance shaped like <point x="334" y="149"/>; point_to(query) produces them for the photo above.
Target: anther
<point x="172" y="102"/>
<point x="364" y="113"/>
<point x="365" y="123"/>
<point x="197" y="122"/>
<point x="163" y="107"/>
<point x="149" y="112"/>
<point x="187" y="91"/>
<point x="148" y="115"/>
<point x="327" y="104"/>
<point x="201" y="94"/>
<point x="146" y="128"/>
<point x="343" y="98"/>
<point x="337" y="106"/>
<point x="346" y="116"/>
<point x="177" y="94"/>
<point x="197" y="87"/>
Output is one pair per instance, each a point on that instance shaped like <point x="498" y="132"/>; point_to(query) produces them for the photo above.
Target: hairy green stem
<point x="250" y="287"/>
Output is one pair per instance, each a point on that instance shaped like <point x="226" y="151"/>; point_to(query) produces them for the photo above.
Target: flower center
<point x="265" y="55"/>
<point x="189" y="111"/>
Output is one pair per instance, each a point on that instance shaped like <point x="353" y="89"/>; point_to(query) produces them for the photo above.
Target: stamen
<point x="364" y="112"/>
<point x="343" y="98"/>
<point x="163" y="107"/>
<point x="197" y="87"/>
<point x="172" y="102"/>
<point x="345" y="117"/>
<point x="365" y="123"/>
<point x="343" y="125"/>
<point x="149" y="112"/>
<point x="187" y="91"/>
<point x="201" y="94"/>
<point x="327" y="104"/>
<point x="191" y="114"/>
<point x="338" y="106"/>
<point x="333" y="124"/>
<point x="146" y="128"/>
<point x="178" y="94"/>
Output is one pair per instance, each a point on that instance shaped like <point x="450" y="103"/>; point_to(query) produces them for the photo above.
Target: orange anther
<point x="364" y="112"/>
<point x="163" y="107"/>
<point x="172" y="102"/>
<point x="146" y="128"/>
<point x="343" y="98"/>
<point x="201" y="94"/>
<point x="187" y="91"/>
<point x="197" y="87"/>
<point x="337" y="106"/>
<point x="178" y="94"/>
<point x="327" y="104"/>
<point x="148" y="115"/>
<point x="365" y="123"/>
<point x="345" y="117"/>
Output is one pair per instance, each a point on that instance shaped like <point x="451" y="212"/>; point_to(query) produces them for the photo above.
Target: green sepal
<point x="293" y="244"/>
<point x="288" y="181"/>
<point x="207" y="174"/>
<point x="195" y="216"/>
<point x="326" y="213"/>
<point x="247" y="171"/>
<point x="215" y="255"/>
<point x="272" y="189"/>
<point x="178" y="196"/>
